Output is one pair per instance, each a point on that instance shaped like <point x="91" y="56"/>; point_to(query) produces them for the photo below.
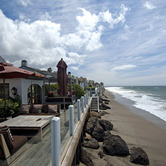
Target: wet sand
<point x="136" y="131"/>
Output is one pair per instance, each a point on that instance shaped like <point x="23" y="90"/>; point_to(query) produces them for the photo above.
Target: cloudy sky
<point x="118" y="42"/>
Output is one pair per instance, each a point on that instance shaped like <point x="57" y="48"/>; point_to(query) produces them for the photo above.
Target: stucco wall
<point x="22" y="86"/>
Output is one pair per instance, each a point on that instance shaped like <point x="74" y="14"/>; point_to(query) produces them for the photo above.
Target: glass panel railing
<point x="37" y="150"/>
<point x="64" y="125"/>
<point x="75" y="113"/>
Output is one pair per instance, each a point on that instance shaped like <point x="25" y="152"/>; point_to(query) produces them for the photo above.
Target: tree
<point x="49" y="69"/>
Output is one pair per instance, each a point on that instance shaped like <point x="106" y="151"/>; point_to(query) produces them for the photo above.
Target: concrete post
<point x="78" y="109"/>
<point x="55" y="141"/>
<point x="82" y="104"/>
<point x="71" y="120"/>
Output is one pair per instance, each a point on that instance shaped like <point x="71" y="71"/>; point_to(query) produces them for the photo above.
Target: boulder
<point x="90" y="125"/>
<point x="85" y="158"/>
<point x="101" y="154"/>
<point x="92" y="143"/>
<point x="106" y="102"/>
<point x="98" y="133"/>
<point x="88" y="136"/>
<point x="95" y="114"/>
<point x="115" y="146"/>
<point x="138" y="156"/>
<point x="102" y="113"/>
<point x="103" y="106"/>
<point x="107" y="134"/>
<point x="101" y="99"/>
<point x="106" y="124"/>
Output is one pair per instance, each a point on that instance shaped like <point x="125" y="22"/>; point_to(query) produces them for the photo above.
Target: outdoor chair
<point x="40" y="109"/>
<point x="10" y="144"/>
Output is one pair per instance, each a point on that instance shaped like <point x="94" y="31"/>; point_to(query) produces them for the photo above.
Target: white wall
<point x="22" y="85"/>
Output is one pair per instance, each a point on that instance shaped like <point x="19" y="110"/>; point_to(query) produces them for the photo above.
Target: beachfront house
<point x="51" y="75"/>
<point x="28" y="85"/>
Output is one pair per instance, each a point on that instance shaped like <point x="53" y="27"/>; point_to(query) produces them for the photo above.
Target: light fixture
<point x="14" y="91"/>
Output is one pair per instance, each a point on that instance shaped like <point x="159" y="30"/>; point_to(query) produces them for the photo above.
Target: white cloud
<point x="123" y="67"/>
<point x="75" y="58"/>
<point x="41" y="40"/>
<point x="74" y="68"/>
<point x="24" y="2"/>
<point x="88" y="21"/>
<point x="149" y="5"/>
<point x="45" y="16"/>
<point x="107" y="16"/>
<point x="94" y="41"/>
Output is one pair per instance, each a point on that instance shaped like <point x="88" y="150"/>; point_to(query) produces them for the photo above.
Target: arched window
<point x="34" y="94"/>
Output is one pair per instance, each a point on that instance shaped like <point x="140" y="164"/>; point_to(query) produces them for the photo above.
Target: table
<point x="28" y="122"/>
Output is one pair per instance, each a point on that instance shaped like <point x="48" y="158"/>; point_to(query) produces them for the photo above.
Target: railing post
<point x="82" y="104"/>
<point x="85" y="100"/>
<point x="55" y="141"/>
<point x="71" y="120"/>
<point x="78" y="109"/>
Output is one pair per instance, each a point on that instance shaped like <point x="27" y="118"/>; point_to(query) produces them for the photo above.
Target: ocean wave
<point x="149" y="102"/>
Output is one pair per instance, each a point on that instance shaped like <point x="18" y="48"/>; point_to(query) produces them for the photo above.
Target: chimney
<point x="24" y="63"/>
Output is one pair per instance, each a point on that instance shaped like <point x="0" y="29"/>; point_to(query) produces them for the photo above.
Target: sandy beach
<point x="136" y="131"/>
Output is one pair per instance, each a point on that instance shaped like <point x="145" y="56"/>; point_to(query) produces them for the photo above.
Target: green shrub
<point x="12" y="107"/>
<point x="51" y="88"/>
<point x="79" y="91"/>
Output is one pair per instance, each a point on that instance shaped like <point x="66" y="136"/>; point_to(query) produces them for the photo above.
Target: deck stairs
<point x="95" y="104"/>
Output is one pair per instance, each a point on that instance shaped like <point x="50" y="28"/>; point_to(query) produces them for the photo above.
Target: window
<point x="6" y="90"/>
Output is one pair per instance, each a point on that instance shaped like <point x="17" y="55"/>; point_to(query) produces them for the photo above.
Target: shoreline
<point x="136" y="131"/>
<point x="143" y="113"/>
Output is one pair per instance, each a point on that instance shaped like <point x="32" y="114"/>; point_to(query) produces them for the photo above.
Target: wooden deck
<point x="38" y="153"/>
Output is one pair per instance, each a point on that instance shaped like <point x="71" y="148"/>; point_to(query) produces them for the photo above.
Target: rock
<point x="85" y="158"/>
<point x="88" y="136"/>
<point x="106" y="124"/>
<point x="102" y="113"/>
<point x="115" y="146"/>
<point x="107" y="134"/>
<point x="138" y="156"/>
<point x="101" y="99"/>
<point x="103" y="106"/>
<point x="90" y="125"/>
<point x="92" y="143"/>
<point x="101" y="154"/>
<point x="98" y="133"/>
<point x="66" y="124"/>
<point x="95" y="114"/>
<point x="104" y="95"/>
<point x="109" y="164"/>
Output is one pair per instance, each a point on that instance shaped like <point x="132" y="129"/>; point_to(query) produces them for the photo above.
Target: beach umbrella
<point x="8" y="71"/>
<point x="62" y="78"/>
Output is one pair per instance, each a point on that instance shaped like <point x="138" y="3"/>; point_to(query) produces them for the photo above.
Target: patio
<point x="36" y="151"/>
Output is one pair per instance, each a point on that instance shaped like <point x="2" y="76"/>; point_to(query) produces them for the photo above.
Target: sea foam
<point x="143" y="100"/>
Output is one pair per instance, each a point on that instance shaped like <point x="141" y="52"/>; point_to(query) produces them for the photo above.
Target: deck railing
<point x="74" y="114"/>
<point x="61" y="131"/>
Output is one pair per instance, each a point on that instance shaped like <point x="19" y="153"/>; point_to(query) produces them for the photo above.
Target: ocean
<point x="151" y="99"/>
